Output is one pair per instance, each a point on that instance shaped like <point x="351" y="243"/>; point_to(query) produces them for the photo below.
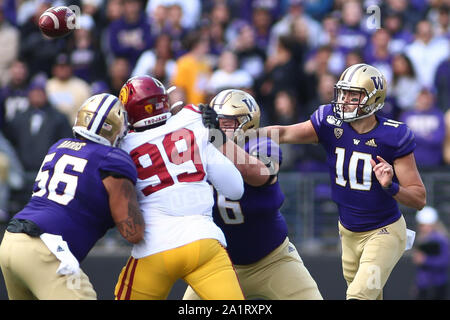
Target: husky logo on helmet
<point x="238" y="105"/>
<point x="147" y="102"/>
<point x="102" y="119"/>
<point x="367" y="86"/>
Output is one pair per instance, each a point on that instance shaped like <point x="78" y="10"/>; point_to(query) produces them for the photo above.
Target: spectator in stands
<point x="32" y="133"/>
<point x="405" y="86"/>
<point x="427" y="52"/>
<point x="431" y="256"/>
<point x="191" y="10"/>
<point x="130" y="35"/>
<point x="65" y="91"/>
<point x="9" y="42"/>
<point x="442" y="84"/>
<point x="38" y="51"/>
<point x="350" y="34"/>
<point x="377" y="54"/>
<point x="447" y="137"/>
<point x="119" y="72"/>
<point x="427" y="123"/>
<point x="87" y="60"/>
<point x="14" y="96"/>
<point x="295" y="11"/>
<point x="251" y="57"/>
<point x="282" y="72"/>
<point x="262" y="22"/>
<point x="228" y="75"/>
<point x="157" y="62"/>
<point x="193" y="69"/>
<point x="400" y="36"/>
<point x="175" y="28"/>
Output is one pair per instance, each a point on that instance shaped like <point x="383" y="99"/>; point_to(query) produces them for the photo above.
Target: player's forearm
<point x="300" y="133"/>
<point x="253" y="171"/>
<point x="412" y="196"/>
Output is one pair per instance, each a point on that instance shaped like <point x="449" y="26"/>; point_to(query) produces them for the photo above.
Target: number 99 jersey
<point x="363" y="204"/>
<point x="69" y="198"/>
<point x="173" y="163"/>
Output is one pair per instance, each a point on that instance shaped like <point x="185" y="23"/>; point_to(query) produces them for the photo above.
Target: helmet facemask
<point x="362" y="87"/>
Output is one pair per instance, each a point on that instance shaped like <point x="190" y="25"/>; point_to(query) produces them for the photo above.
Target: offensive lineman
<point x="174" y="159"/>
<point x="371" y="226"/>
<point x="268" y="265"/>
<point x="85" y="185"/>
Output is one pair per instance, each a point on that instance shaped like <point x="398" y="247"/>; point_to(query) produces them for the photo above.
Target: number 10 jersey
<point x="363" y="204"/>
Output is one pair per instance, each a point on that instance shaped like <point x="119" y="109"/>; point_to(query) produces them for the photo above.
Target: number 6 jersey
<point x="69" y="198"/>
<point x="173" y="163"/>
<point x="362" y="202"/>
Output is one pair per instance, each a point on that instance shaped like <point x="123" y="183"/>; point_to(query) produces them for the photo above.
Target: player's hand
<point x="209" y="116"/>
<point x="383" y="171"/>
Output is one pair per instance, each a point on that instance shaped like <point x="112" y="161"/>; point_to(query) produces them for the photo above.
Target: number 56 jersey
<point x="363" y="204"/>
<point x="173" y="162"/>
<point x="69" y="198"/>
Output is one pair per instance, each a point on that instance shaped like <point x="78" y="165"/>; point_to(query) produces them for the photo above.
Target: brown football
<point x="57" y="22"/>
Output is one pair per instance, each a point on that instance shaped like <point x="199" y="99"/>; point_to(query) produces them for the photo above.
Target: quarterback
<point x="268" y="265"/>
<point x="174" y="160"/>
<point x="84" y="187"/>
<point x="372" y="167"/>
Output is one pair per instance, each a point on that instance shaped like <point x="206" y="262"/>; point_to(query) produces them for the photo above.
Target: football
<point x="57" y="22"/>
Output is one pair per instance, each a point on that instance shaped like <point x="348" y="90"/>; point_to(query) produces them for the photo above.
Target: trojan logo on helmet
<point x="146" y="101"/>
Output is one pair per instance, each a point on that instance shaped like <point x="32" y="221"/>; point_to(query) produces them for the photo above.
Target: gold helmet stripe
<point x="102" y="112"/>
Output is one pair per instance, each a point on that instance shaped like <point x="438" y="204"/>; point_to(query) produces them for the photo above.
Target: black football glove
<point x="209" y="116"/>
<point x="211" y="121"/>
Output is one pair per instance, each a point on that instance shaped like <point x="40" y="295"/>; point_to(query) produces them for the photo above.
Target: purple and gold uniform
<point x="75" y="167"/>
<point x="255" y="220"/>
<point x="362" y="202"/>
<point x="268" y="265"/>
<point x="371" y="226"/>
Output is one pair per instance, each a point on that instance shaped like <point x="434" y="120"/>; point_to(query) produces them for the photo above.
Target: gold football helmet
<point x="239" y="106"/>
<point x="102" y="119"/>
<point x="368" y="88"/>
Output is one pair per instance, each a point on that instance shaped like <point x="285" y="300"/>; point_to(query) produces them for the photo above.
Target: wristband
<point x="393" y="189"/>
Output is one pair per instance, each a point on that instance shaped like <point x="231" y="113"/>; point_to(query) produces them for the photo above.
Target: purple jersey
<point x="363" y="204"/>
<point x="253" y="226"/>
<point x="69" y="198"/>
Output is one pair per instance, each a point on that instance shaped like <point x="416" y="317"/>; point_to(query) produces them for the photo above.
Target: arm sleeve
<point x="223" y="174"/>
<point x="119" y="162"/>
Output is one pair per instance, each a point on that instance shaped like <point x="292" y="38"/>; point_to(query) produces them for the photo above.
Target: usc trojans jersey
<point x="173" y="163"/>
<point x="363" y="204"/>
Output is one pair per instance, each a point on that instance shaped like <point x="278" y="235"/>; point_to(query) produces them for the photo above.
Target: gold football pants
<point x="369" y="257"/>
<point x="281" y="275"/>
<point x="29" y="269"/>
<point x="203" y="264"/>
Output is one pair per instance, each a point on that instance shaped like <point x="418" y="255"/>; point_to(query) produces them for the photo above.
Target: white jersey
<point x="174" y="162"/>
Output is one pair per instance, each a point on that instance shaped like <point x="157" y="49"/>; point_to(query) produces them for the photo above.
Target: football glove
<point x="211" y="121"/>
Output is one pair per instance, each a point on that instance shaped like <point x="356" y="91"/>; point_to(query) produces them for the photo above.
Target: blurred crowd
<point x="287" y="53"/>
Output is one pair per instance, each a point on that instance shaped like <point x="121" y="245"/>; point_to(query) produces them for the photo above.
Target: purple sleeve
<point x="406" y="142"/>
<point x="317" y="118"/>
<point x="120" y="162"/>
<point x="265" y="147"/>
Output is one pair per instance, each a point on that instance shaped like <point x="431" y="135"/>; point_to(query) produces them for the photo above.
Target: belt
<point x="24" y="226"/>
